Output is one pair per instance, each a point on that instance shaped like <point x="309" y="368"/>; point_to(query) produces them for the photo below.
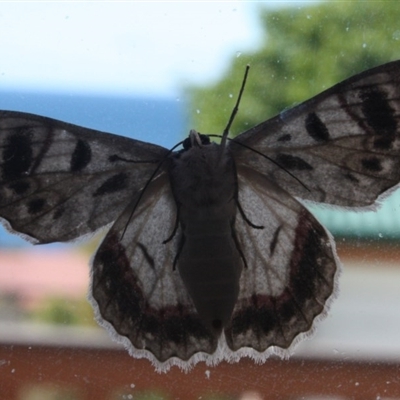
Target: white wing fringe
<point x="223" y="352"/>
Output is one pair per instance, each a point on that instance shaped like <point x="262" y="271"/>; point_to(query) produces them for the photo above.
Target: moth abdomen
<point x="210" y="266"/>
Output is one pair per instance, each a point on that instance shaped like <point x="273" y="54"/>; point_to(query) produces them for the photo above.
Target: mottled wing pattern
<point x="291" y="267"/>
<point x="136" y="287"/>
<point x="60" y="181"/>
<point x="343" y="144"/>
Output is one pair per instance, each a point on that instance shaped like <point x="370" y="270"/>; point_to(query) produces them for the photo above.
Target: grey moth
<point x="210" y="255"/>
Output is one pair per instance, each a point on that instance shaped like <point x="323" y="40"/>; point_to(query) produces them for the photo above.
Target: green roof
<point x="384" y="223"/>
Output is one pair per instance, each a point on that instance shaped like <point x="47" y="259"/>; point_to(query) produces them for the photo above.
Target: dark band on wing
<point x="166" y="332"/>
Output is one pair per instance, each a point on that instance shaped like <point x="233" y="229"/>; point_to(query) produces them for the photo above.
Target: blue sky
<point x="133" y="48"/>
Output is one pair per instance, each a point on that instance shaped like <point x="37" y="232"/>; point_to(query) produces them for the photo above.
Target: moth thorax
<point x="200" y="176"/>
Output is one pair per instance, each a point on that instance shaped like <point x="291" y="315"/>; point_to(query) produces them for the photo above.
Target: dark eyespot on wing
<point x="81" y="156"/>
<point x="285" y="138"/>
<point x="114" y="184"/>
<point x="292" y="162"/>
<point x="20" y="187"/>
<point x="17" y="156"/>
<point x="372" y="164"/>
<point x="59" y="212"/>
<point x="384" y="142"/>
<point x="36" y="205"/>
<point x="378" y="112"/>
<point x="113" y="158"/>
<point x="316" y="128"/>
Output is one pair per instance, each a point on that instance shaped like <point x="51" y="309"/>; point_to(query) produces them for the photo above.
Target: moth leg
<point x="246" y="219"/>
<point x="237" y="243"/>
<point x="116" y="157"/>
<point x="181" y="243"/>
<point x="170" y="237"/>
<point x="146" y="255"/>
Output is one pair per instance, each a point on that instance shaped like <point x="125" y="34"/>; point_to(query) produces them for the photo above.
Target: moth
<point x="210" y="255"/>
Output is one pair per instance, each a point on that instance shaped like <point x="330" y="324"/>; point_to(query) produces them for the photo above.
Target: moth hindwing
<point x="209" y="256"/>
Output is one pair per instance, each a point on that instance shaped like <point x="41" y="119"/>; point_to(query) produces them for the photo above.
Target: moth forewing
<point x="60" y="181"/>
<point x="343" y="144"/>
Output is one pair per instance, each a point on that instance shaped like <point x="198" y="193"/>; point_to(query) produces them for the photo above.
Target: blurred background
<point x="152" y="71"/>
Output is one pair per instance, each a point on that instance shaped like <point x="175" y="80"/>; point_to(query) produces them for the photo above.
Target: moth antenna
<point x="147" y="184"/>
<point x="272" y="160"/>
<point x="266" y="157"/>
<point x="235" y="109"/>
